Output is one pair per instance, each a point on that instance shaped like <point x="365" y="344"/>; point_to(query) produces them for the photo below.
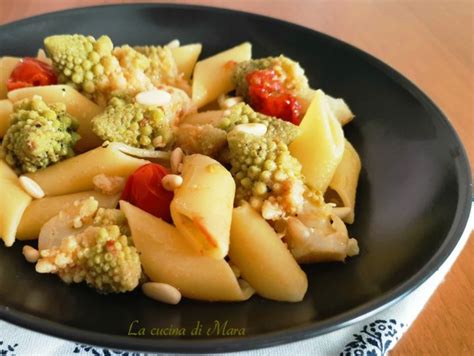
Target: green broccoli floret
<point x="290" y="73"/>
<point x="39" y="135"/>
<point x="266" y="175"/>
<point x="102" y="255"/>
<point x="163" y="68"/>
<point x="134" y="124"/>
<point x="242" y="113"/>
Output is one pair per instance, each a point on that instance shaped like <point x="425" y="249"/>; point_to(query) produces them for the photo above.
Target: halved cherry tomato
<point x="144" y="190"/>
<point x="30" y="72"/>
<point x="268" y="96"/>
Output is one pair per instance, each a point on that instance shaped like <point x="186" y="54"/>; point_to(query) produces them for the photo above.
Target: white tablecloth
<point x="374" y="336"/>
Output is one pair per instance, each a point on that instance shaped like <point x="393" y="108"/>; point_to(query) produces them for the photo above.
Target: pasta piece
<point x="167" y="257"/>
<point x="320" y="145"/>
<point x="77" y="106"/>
<point x="338" y="106"/>
<point x="14" y="202"/>
<point x="186" y="58"/>
<point x="7" y="64"/>
<point x="202" y="206"/>
<point x="211" y="117"/>
<point x="213" y="76"/>
<point x="341" y="110"/>
<point x="263" y="259"/>
<point x="42" y="210"/>
<point x="6" y="108"/>
<point x="75" y="174"/>
<point x="344" y="181"/>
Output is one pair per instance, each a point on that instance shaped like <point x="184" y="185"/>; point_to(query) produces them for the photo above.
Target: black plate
<point x="412" y="205"/>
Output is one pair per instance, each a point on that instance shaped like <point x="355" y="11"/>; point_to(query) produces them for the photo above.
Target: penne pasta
<point x="343" y="185"/>
<point x="167" y="257"/>
<point x="14" y="202"/>
<point x="263" y="259"/>
<point x="6" y="108"/>
<point x="202" y="206"/>
<point x="320" y="145"/>
<point x="40" y="211"/>
<point x="75" y="174"/>
<point x="186" y="58"/>
<point x="213" y="76"/>
<point x="77" y="105"/>
<point x="7" y="64"/>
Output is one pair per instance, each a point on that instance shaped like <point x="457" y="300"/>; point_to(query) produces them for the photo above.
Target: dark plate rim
<point x="296" y="333"/>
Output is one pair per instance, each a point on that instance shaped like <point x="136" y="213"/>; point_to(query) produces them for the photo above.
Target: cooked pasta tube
<point x="344" y="182"/>
<point x="167" y="257"/>
<point x="7" y="64"/>
<point x="263" y="259"/>
<point x="77" y="105"/>
<point x="213" y="76"/>
<point x="14" y="202"/>
<point x="41" y="210"/>
<point x="320" y="145"/>
<point x="186" y="57"/>
<point x="75" y="174"/>
<point x="202" y="206"/>
<point x="6" y="108"/>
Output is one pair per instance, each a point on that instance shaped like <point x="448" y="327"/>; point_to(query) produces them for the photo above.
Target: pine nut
<point x="31" y="187"/>
<point x="252" y="129"/>
<point x="162" y="292"/>
<point x="173" y="44"/>
<point x="171" y="181"/>
<point x="229" y="102"/>
<point x="44" y="266"/>
<point x="31" y="254"/>
<point x="155" y="97"/>
<point x="176" y="158"/>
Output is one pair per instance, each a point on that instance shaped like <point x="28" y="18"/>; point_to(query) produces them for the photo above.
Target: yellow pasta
<point x="6" y="67"/>
<point x="186" y="58"/>
<point x="338" y="106"/>
<point x="14" y="202"/>
<point x="75" y="174"/>
<point x="263" y="259"/>
<point x="167" y="257"/>
<point x="77" y="105"/>
<point x="202" y="206"/>
<point x="344" y="181"/>
<point x="320" y="145"/>
<point x="213" y="76"/>
<point x="6" y="108"/>
<point x="41" y="210"/>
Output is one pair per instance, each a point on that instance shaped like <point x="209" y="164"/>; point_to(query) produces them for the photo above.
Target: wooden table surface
<point x="431" y="42"/>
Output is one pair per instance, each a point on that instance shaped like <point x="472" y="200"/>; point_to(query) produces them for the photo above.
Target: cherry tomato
<point x="144" y="190"/>
<point x="268" y="96"/>
<point x="30" y="72"/>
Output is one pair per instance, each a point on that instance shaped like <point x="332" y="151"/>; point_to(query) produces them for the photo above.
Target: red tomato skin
<point x="31" y="72"/>
<point x="269" y="97"/>
<point x="144" y="190"/>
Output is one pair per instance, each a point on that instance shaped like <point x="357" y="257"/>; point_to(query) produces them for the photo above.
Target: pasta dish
<point x="146" y="167"/>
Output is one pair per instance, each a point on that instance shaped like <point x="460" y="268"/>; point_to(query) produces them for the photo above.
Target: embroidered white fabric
<point x="372" y="336"/>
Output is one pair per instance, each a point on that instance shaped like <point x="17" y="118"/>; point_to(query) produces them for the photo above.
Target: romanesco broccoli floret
<point x="101" y="253"/>
<point x="134" y="124"/>
<point x="266" y="175"/>
<point x="242" y="113"/>
<point x="290" y="73"/>
<point x="82" y="61"/>
<point x="39" y="135"/>
<point x="96" y="68"/>
<point x="163" y="68"/>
